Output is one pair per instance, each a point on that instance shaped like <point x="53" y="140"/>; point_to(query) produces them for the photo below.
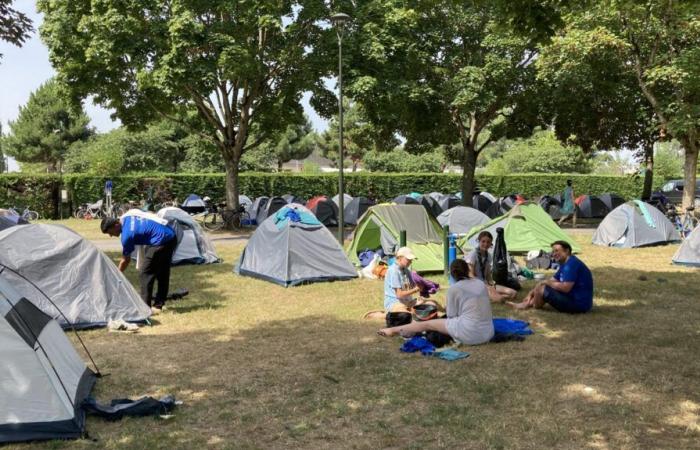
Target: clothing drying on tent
<point x="611" y="201"/>
<point x="526" y="227"/>
<point x="194" y="247"/>
<point x="193" y="204"/>
<point x="461" y="219"/>
<point x="292" y="247"/>
<point x="591" y="207"/>
<point x="380" y="228"/>
<point x="78" y="278"/>
<point x="355" y="209"/>
<point x="635" y="224"/>
<point x="273" y="205"/>
<point x="688" y="254"/>
<point x="324" y="209"/>
<point x="43" y="381"/>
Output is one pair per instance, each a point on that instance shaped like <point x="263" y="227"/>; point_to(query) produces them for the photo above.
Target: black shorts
<point x="562" y="302"/>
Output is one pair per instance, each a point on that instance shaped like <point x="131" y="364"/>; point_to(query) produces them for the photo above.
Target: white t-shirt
<point x="480" y="263"/>
<point x="469" y="316"/>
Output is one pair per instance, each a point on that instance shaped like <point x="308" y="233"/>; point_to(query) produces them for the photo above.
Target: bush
<point x="41" y="191"/>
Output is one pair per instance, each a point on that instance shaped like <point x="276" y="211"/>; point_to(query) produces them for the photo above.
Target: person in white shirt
<point x="480" y="262"/>
<point x="469" y="318"/>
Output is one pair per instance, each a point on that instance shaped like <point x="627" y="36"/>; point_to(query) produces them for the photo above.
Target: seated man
<point x="569" y="290"/>
<point x="399" y="287"/>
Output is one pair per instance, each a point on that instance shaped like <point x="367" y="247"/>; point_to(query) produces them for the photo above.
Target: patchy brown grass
<point x="261" y="366"/>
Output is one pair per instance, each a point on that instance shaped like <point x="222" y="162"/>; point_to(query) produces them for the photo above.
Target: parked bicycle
<point x="686" y="223"/>
<point x="90" y="211"/>
<point x="218" y="217"/>
<point x="26" y="214"/>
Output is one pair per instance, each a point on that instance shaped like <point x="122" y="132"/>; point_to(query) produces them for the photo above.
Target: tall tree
<point x="297" y="141"/>
<point x="46" y="127"/>
<point x="445" y="72"/>
<point x="241" y="65"/>
<point x="15" y="26"/>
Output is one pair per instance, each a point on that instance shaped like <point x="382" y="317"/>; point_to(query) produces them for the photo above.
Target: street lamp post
<point x="339" y="21"/>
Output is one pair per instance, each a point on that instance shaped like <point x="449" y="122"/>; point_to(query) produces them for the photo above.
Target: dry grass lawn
<point x="261" y="366"/>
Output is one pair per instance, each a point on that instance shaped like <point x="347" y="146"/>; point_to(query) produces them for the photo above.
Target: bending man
<point x="159" y="241"/>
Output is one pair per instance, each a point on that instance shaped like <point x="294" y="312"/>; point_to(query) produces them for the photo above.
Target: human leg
<point x="506" y="292"/>
<point x="163" y="261"/>
<point x="439" y="325"/>
<point x="147" y="276"/>
<point x="561" y="301"/>
<point x="532" y="300"/>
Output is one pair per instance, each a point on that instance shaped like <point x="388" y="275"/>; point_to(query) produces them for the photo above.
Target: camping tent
<point x="380" y="228"/>
<point x="43" y="381"/>
<point x="79" y="279"/>
<point x="258" y="204"/>
<point x="503" y="205"/>
<point x="591" y="207"/>
<point x="448" y="201"/>
<point x="11" y="221"/>
<point x="245" y="202"/>
<point x="688" y="254"/>
<point x="273" y="205"/>
<point x="325" y="210"/>
<point x="551" y="205"/>
<point x="291" y="198"/>
<point x="405" y="200"/>
<point x="194" y="246"/>
<point x="461" y="219"/>
<point x="430" y="205"/>
<point x="482" y="202"/>
<point x="355" y="209"/>
<point x="346" y="199"/>
<point x="292" y="247"/>
<point x="635" y="224"/>
<point x="611" y="201"/>
<point x="193" y="204"/>
<point x="526" y="226"/>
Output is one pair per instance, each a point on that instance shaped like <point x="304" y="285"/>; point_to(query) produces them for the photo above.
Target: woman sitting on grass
<point x="469" y="320"/>
<point x="480" y="261"/>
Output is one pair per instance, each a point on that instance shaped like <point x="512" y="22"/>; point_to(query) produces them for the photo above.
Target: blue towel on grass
<point x="418" y="343"/>
<point x="450" y="354"/>
<point x="510" y="330"/>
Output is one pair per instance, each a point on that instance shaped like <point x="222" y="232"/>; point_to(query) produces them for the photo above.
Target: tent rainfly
<point x="325" y="210"/>
<point x="526" y="227"/>
<point x="461" y="219"/>
<point x="193" y="204"/>
<point x="380" y="228"/>
<point x="43" y="381"/>
<point x="273" y="205"/>
<point x="292" y="247"/>
<point x="688" y="254"/>
<point x="591" y="207"/>
<point x="81" y="281"/>
<point x="355" y="209"/>
<point x="635" y="224"/>
<point x="194" y="246"/>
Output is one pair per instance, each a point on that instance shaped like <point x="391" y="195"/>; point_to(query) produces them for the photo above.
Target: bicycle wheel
<point x="244" y="219"/>
<point x="79" y="213"/>
<point x="213" y="221"/>
<point x="32" y="215"/>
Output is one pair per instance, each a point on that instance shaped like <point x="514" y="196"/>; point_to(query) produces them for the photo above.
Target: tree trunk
<point x="690" y="147"/>
<point x="468" y="171"/>
<point x="279" y="165"/>
<point x="231" y="165"/>
<point x="649" y="171"/>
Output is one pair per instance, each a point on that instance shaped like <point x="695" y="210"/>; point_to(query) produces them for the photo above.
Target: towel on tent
<point x="427" y="287"/>
<point x="418" y="343"/>
<point x="645" y="213"/>
<point x="287" y="214"/>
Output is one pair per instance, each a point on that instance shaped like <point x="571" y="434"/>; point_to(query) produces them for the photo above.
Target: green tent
<point x="380" y="227"/>
<point x="526" y="227"/>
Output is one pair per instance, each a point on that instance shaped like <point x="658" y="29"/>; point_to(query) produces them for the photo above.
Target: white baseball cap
<point x="406" y="253"/>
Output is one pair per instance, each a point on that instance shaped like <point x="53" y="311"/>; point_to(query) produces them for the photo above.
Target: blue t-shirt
<point x="575" y="270"/>
<point x="143" y="231"/>
<point x="395" y="278"/>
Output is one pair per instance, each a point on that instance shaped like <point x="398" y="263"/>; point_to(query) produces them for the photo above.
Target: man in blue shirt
<point x="399" y="287"/>
<point x="570" y="290"/>
<point x="159" y="241"/>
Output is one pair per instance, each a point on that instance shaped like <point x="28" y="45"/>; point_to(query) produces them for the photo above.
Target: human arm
<point x="402" y="293"/>
<point x="124" y="263"/>
<point x="561" y="286"/>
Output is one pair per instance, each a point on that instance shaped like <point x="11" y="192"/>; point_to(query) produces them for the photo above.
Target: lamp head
<point x="340" y="19"/>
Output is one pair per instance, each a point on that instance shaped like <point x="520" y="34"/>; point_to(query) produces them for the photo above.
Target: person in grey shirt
<point x="480" y="262"/>
<point x="469" y="318"/>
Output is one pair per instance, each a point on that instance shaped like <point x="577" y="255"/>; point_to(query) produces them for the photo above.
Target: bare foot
<point x="522" y="305"/>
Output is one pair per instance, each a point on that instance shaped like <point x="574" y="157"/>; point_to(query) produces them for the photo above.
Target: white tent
<point x="688" y="254"/>
<point x="194" y="246"/>
<point x="81" y="281"/>
<point x="635" y="224"/>
<point x="43" y="381"/>
<point x="461" y="219"/>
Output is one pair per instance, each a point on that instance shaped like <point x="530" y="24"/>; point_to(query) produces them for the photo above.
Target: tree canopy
<point x="15" y="26"/>
<point x="46" y="127"/>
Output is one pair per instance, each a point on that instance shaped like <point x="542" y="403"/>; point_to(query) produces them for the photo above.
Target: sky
<point x="23" y="70"/>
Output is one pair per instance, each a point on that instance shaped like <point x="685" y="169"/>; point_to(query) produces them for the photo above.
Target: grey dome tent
<point x="430" y="205"/>
<point x="325" y="210"/>
<point x="688" y="254"/>
<point x="193" y="204"/>
<point x="551" y="205"/>
<point x="291" y="198"/>
<point x="461" y="219"/>
<point x="258" y="204"/>
<point x="591" y="207"/>
<point x="612" y="201"/>
<point x="245" y="202"/>
<point x="501" y="206"/>
<point x="80" y="280"/>
<point x="481" y="202"/>
<point x="194" y="246"/>
<point x="273" y="205"/>
<point x="292" y="247"/>
<point x="43" y="381"/>
<point x="11" y="221"/>
<point x="336" y="198"/>
<point x="405" y="200"/>
<point x="635" y="224"/>
<point x="448" y="201"/>
<point x="355" y="209"/>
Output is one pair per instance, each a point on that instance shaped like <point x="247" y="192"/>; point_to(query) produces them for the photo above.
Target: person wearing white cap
<point x="399" y="288"/>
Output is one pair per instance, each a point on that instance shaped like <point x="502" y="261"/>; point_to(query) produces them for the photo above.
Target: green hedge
<point x="41" y="192"/>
